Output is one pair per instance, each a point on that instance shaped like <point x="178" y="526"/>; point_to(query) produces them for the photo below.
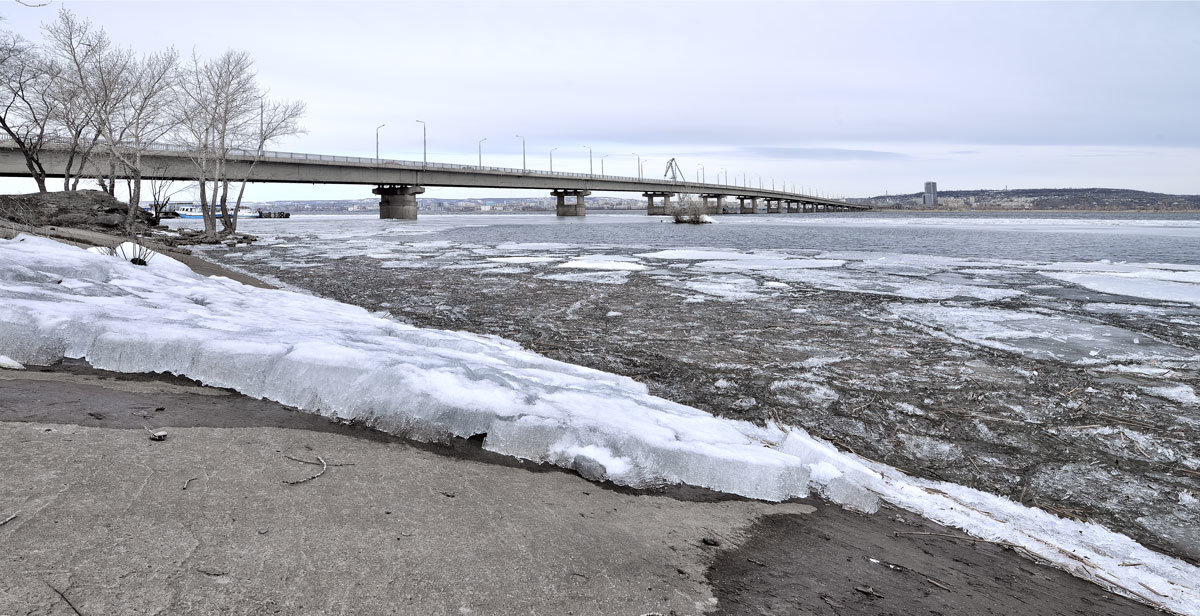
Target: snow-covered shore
<point x="339" y="360"/>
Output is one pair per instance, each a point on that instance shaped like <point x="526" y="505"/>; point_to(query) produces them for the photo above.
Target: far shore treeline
<point x="99" y="107"/>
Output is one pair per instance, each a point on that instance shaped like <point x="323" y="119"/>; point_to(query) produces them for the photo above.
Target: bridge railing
<point x="174" y="150"/>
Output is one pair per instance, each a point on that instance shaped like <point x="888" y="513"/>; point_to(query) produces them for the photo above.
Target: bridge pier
<point x="744" y="209"/>
<point x="773" y="206"/>
<point x="562" y="208"/>
<point x="657" y="210"/>
<point x="714" y="207"/>
<point x="793" y="206"/>
<point x="398" y="201"/>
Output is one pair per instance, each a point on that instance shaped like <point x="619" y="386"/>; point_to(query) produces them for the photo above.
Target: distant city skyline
<point x="851" y="99"/>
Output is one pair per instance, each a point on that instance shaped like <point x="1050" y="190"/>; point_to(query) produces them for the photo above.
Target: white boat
<point x="192" y="210"/>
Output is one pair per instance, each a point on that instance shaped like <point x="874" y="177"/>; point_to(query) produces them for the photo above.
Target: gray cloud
<point x="770" y="86"/>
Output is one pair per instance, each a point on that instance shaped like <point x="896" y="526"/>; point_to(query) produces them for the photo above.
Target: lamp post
<point x="639" y="164"/>
<point x="726" y="172"/>
<point x="552" y="159"/>
<point x="377" y="140"/>
<point x="590" y="169"/>
<point x="424" y="145"/>
<point x="702" y="178"/>
<point x="523" y="167"/>
<point x="602" y="163"/>
<point x="481" y="151"/>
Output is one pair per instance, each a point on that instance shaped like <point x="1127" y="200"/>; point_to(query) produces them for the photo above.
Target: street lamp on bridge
<point x="377" y="140"/>
<point x="589" y="149"/>
<point x="523" y="168"/>
<point x="701" y="172"/>
<point x="602" y="163"/>
<point x="424" y="144"/>
<point x="639" y="158"/>
<point x="481" y="151"/>
<point x="552" y="159"/>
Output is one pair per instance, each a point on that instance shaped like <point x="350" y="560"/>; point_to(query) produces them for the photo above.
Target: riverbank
<point x="205" y="521"/>
<point x="988" y="372"/>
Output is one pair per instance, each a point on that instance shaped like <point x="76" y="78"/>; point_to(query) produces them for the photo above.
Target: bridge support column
<point x="773" y="205"/>
<point x="398" y="201"/>
<point x="792" y="206"/>
<point x="714" y="207"/>
<point x="562" y="208"/>
<point x="747" y="209"/>
<point x="657" y="210"/>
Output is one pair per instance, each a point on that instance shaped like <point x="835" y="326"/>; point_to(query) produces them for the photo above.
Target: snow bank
<point x="338" y="360"/>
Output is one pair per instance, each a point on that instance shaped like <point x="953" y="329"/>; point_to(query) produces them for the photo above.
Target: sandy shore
<point x="205" y="522"/>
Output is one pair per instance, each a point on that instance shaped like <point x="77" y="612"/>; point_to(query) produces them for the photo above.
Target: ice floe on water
<point x="338" y="360"/>
<point x="1041" y="336"/>
<point x="730" y="287"/>
<point x="522" y="260"/>
<point x="1182" y="394"/>
<point x="1143" y="285"/>
<point x="601" y="277"/>
<point x="605" y="262"/>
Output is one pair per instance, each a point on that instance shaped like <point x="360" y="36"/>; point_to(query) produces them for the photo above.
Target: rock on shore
<point x="84" y="209"/>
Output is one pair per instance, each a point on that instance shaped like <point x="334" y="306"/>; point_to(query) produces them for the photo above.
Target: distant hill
<point x="1097" y="199"/>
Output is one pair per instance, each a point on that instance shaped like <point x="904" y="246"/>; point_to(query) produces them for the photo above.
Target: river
<point x="1050" y="358"/>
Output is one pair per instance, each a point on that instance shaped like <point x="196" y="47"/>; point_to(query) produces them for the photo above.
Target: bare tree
<point x="690" y="211"/>
<point x="142" y="116"/>
<point x="276" y="119"/>
<point x="222" y="111"/>
<point x="127" y="98"/>
<point x="163" y="190"/>
<point x="216" y="98"/>
<point x="26" y="102"/>
<point x="74" y="47"/>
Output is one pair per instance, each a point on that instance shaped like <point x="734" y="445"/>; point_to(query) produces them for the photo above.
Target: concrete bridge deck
<point x="398" y="181"/>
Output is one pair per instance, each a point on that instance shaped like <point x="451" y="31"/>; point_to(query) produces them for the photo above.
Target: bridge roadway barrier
<point x="398" y="182"/>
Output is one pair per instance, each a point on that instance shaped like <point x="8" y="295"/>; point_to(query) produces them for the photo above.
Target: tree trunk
<point x="135" y="198"/>
<point x="32" y="161"/>
<point x="228" y="224"/>
<point x="83" y="160"/>
<point x="210" y="223"/>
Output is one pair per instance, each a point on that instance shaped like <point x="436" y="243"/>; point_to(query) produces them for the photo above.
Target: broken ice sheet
<point x="1041" y="336"/>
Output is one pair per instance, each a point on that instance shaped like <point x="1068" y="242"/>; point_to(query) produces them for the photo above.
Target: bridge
<point x="398" y="182"/>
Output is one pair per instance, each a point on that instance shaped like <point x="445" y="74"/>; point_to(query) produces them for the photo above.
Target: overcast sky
<point x="852" y="99"/>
